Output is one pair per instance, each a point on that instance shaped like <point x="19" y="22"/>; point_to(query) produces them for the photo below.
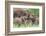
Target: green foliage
<point x="16" y="25"/>
<point x="33" y="11"/>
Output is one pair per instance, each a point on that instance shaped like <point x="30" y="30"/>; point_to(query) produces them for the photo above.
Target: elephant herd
<point x="22" y="16"/>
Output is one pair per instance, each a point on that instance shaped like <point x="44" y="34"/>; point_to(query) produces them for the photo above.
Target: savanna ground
<point x="23" y="25"/>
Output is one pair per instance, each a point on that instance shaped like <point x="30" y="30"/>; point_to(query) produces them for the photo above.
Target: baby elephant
<point x="18" y="20"/>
